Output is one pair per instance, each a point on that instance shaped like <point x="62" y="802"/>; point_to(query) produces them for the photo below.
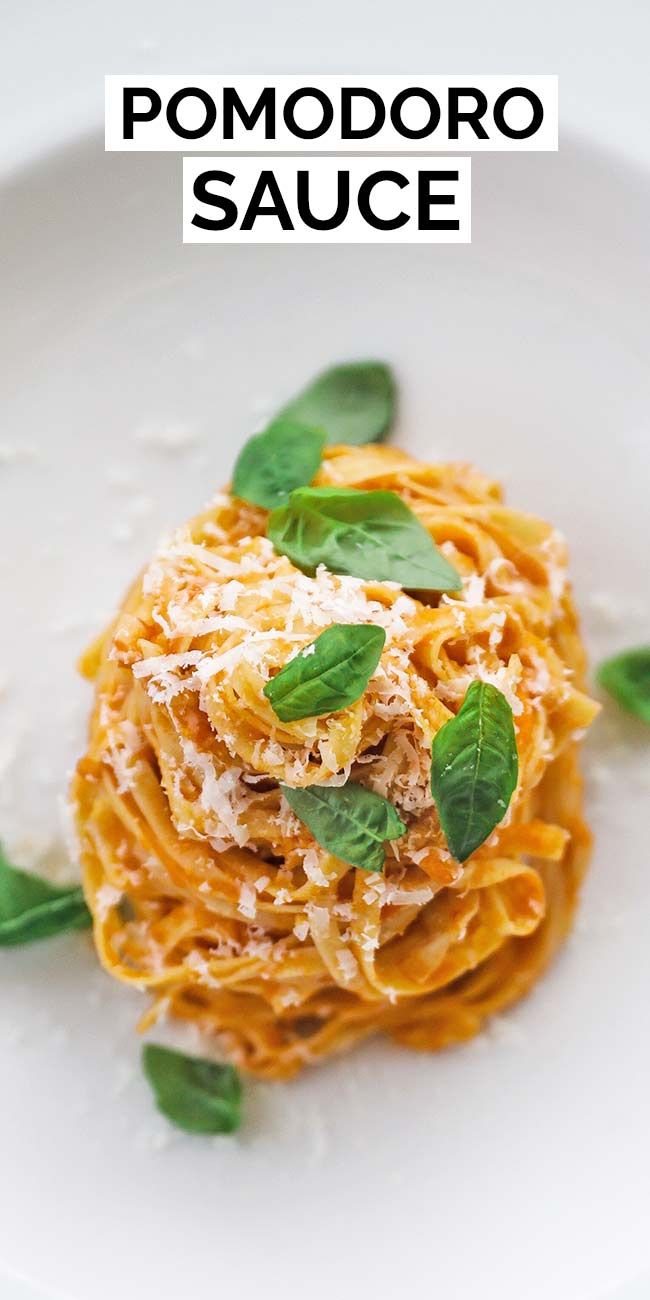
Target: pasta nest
<point x="205" y="888"/>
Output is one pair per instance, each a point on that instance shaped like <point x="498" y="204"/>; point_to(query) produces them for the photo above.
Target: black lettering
<point x="365" y="191"/>
<point x="396" y="112"/>
<point x="277" y="208"/>
<point x="471" y="115"/>
<point x="342" y="203"/>
<point x="204" y="195"/>
<point x="265" y="105"/>
<point x="499" y="113"/>
<point x="191" y="92"/>
<point x="426" y="199"/>
<point x="348" y="132"/>
<point x="289" y="113"/>
<point x="129" y="115"/>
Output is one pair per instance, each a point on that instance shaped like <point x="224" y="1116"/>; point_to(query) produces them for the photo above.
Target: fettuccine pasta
<point x="205" y="888"/>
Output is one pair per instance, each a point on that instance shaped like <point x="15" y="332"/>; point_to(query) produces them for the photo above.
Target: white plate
<point x="518" y="1165"/>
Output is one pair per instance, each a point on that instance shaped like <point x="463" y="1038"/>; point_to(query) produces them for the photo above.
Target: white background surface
<point x="56" y="52"/>
<point x="516" y="1167"/>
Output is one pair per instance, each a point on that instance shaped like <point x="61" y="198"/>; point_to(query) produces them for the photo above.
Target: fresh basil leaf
<point x="31" y="908"/>
<point x="348" y="820"/>
<point x="474" y="768"/>
<point x="271" y="464"/>
<point x="329" y="674"/>
<point x="370" y="535"/>
<point x="626" y="677"/>
<point x="197" y="1095"/>
<point x="353" y="403"/>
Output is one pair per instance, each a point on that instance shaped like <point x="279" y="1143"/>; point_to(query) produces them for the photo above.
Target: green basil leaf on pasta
<point x="474" y="768"/>
<point x="197" y="1095"/>
<point x="370" y="535"/>
<point x="353" y="403"/>
<point x="31" y="908"/>
<point x="348" y="820"/>
<point x="626" y="677"/>
<point x="271" y="464"/>
<point x="331" y="673"/>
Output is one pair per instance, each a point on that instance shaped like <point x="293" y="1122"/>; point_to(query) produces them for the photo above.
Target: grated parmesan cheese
<point x="347" y="965"/>
<point x="313" y="870"/>
<point x="247" y="902"/>
<point x="106" y="898"/>
<point x="319" y="920"/>
<point x="198" y="963"/>
<point x="157" y="665"/>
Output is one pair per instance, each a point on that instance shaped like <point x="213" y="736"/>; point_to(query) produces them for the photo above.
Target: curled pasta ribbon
<point x="205" y="889"/>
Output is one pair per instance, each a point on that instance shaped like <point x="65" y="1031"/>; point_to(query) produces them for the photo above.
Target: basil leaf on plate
<point x="474" y="768"/>
<point x="329" y="674"/>
<point x="348" y="820"/>
<point x="197" y="1095"/>
<point x="353" y="403"/>
<point x="626" y="677"/>
<point x="370" y="535"/>
<point x="31" y="908"/>
<point x="285" y="456"/>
